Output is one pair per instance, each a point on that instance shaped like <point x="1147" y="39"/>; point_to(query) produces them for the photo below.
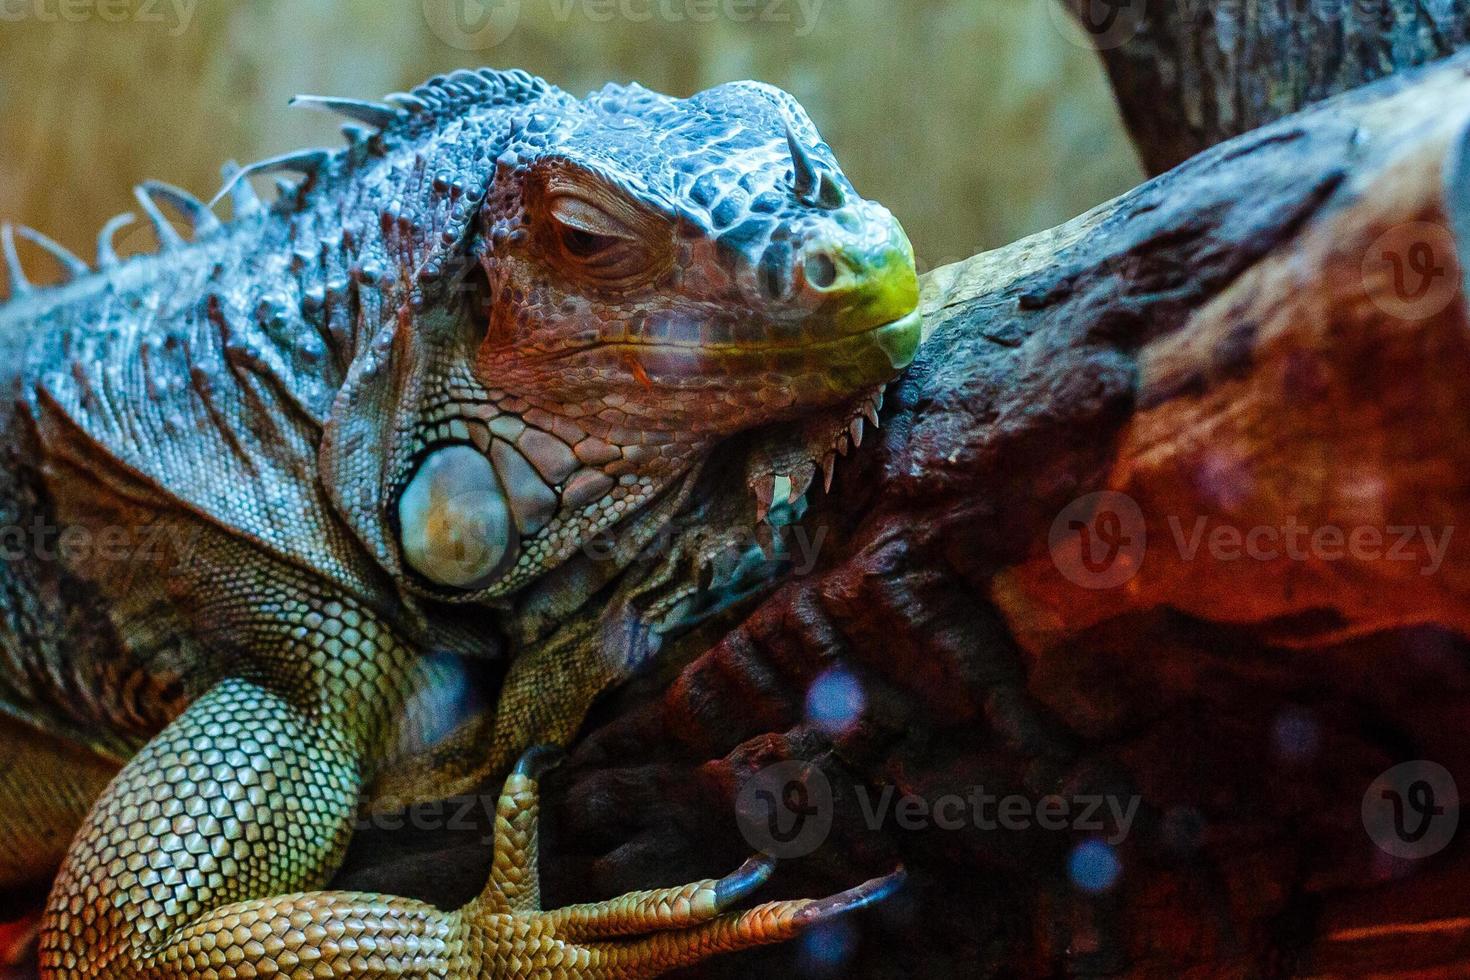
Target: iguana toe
<point x="640" y="934"/>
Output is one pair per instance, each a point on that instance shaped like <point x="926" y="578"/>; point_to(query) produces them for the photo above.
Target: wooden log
<point x="1297" y="455"/>
<point x="1191" y="73"/>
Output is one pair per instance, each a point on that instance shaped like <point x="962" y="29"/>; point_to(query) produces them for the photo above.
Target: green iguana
<point x="266" y="491"/>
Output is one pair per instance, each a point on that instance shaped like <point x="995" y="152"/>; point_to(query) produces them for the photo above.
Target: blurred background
<point x="975" y="121"/>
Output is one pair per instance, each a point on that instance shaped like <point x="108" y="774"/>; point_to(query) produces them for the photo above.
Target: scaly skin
<point x="317" y="462"/>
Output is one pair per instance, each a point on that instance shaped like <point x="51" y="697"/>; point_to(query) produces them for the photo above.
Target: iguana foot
<point x="640" y="934"/>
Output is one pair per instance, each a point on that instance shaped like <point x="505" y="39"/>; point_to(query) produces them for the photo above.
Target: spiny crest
<point x="71" y="266"/>
<point x="403" y="113"/>
<point x="299" y="162"/>
<point x="440" y="97"/>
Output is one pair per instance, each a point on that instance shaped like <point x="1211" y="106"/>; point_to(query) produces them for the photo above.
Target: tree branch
<point x="1192" y="73"/>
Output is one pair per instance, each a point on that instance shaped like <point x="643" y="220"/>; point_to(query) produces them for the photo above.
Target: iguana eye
<point x="594" y="241"/>
<point x="585" y="244"/>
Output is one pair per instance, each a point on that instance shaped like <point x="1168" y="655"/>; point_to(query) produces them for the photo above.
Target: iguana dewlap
<point x="267" y="484"/>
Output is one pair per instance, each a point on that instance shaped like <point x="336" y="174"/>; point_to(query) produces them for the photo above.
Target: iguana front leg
<point x="201" y="858"/>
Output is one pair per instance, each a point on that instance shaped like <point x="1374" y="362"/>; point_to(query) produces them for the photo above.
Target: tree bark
<point x="1191" y="73"/>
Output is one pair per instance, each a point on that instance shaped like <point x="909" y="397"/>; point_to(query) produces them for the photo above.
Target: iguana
<point x="267" y="491"/>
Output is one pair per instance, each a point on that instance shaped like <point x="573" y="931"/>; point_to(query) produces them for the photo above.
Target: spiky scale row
<point x="149" y="194"/>
<point x="106" y="254"/>
<point x="374" y="114"/>
<point x="201" y="220"/>
<point x="306" y="162"/>
<point x="19" y="284"/>
<point x="458" y="89"/>
<point x="72" y="265"/>
<point x="437" y="97"/>
<point x="244" y="201"/>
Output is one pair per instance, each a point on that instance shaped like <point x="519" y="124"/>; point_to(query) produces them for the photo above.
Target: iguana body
<point x="318" y="459"/>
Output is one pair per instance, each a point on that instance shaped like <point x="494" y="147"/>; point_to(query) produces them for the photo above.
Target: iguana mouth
<point x="845" y="306"/>
<point x="899" y="338"/>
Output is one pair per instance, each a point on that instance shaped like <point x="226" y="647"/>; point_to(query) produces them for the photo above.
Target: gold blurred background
<point x="976" y="121"/>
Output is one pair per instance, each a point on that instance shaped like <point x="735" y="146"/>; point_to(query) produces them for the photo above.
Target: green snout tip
<point x="900" y="339"/>
<point x="884" y="299"/>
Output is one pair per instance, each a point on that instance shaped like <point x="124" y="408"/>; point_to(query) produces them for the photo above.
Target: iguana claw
<point x="640" y="934"/>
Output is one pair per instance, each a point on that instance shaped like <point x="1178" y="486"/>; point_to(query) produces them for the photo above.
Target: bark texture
<point x="1191" y="73"/>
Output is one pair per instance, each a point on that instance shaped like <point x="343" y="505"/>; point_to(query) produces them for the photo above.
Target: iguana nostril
<point x="820" y="270"/>
<point x="453" y="519"/>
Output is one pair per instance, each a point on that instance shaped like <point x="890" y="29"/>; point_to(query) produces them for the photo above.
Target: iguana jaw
<point x="897" y="338"/>
<point x="780" y="380"/>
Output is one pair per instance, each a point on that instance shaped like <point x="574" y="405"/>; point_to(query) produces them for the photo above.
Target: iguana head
<point x="647" y="275"/>
<point x="688" y="268"/>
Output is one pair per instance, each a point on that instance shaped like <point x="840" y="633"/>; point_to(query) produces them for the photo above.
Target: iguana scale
<point x="277" y="483"/>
